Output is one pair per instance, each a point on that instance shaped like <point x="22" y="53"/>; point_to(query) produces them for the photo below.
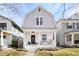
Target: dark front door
<point x="32" y="39"/>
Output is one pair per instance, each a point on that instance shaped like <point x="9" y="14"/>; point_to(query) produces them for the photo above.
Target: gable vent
<point x="39" y="10"/>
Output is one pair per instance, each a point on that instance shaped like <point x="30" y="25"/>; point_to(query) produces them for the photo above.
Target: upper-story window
<point x="73" y="25"/>
<point x="3" y="26"/>
<point x="69" y="25"/>
<point x="39" y="20"/>
<point x="77" y="25"/>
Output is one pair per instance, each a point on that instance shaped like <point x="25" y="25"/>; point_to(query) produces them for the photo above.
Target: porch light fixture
<point x="39" y="9"/>
<point x="32" y="31"/>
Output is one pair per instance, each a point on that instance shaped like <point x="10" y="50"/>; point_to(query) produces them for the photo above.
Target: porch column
<point x="39" y="38"/>
<point x="55" y="39"/>
<point x="2" y="44"/>
<point x="65" y="40"/>
<point x="24" y="41"/>
<point x="75" y="25"/>
<point x="72" y="38"/>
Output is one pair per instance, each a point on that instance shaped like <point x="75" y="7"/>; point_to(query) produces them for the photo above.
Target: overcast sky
<point x="17" y="12"/>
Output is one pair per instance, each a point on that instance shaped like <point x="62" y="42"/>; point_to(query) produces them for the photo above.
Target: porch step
<point x="31" y="48"/>
<point x="30" y="53"/>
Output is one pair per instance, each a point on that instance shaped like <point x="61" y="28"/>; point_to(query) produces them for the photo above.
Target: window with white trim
<point x="69" y="25"/>
<point x="69" y="37"/>
<point x="76" y="40"/>
<point x="44" y="37"/>
<point x="77" y="25"/>
<point x="39" y="20"/>
<point x="3" y="26"/>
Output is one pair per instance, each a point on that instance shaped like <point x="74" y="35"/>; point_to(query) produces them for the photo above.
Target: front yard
<point x="12" y="52"/>
<point x="59" y="52"/>
<point x="42" y="52"/>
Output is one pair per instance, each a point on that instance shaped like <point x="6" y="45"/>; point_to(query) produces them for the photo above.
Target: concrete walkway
<point x="30" y="53"/>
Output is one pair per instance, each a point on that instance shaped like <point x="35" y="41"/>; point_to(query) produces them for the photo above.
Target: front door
<point x="32" y="39"/>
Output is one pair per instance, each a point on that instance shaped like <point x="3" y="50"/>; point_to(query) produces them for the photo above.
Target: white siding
<point x="30" y="20"/>
<point x="48" y="28"/>
<point x="9" y="32"/>
<point x="8" y="23"/>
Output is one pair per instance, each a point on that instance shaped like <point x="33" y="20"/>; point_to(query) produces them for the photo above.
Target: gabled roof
<point x="33" y="10"/>
<point x="11" y="22"/>
<point x="66" y="20"/>
<point x="27" y="14"/>
<point x="74" y="16"/>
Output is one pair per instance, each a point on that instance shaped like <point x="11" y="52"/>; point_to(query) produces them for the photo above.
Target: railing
<point x="29" y="43"/>
<point x="45" y="42"/>
<point x="41" y="43"/>
<point x="68" y="30"/>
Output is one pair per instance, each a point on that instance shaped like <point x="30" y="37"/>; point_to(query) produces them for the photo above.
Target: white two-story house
<point x="68" y="31"/>
<point x="39" y="29"/>
<point x="8" y="30"/>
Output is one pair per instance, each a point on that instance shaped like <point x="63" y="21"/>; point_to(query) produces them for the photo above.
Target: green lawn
<point x="60" y="52"/>
<point x="12" y="52"/>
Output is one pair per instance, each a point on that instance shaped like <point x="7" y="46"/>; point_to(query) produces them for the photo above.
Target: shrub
<point x="60" y="52"/>
<point x="12" y="52"/>
<point x="14" y="43"/>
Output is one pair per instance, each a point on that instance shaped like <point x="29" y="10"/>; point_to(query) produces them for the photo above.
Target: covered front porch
<point x="39" y="39"/>
<point x="4" y="39"/>
<point x="72" y="39"/>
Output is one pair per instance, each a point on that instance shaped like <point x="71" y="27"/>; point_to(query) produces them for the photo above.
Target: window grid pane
<point x="37" y="21"/>
<point x="3" y="26"/>
<point x="44" y="37"/>
<point x="69" y="26"/>
<point x="77" y="25"/>
<point x="41" y="20"/>
<point x="69" y="37"/>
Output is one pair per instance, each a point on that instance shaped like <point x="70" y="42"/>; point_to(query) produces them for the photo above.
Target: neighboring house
<point x="8" y="30"/>
<point x="39" y="29"/>
<point x="68" y="31"/>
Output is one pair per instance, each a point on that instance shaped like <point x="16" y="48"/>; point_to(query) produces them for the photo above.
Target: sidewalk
<point x="30" y="53"/>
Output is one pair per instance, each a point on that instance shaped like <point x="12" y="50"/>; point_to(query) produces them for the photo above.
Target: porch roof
<point x="71" y="31"/>
<point x="5" y="32"/>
